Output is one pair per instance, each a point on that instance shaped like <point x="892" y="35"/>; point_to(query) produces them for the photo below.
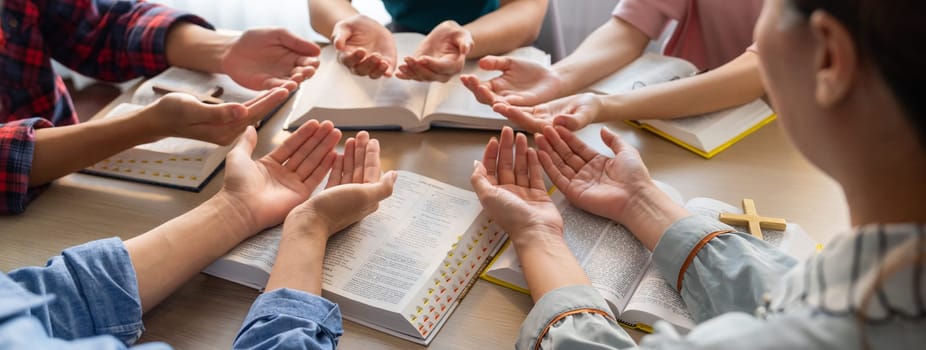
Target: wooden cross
<point x="210" y="97"/>
<point x="751" y="218"/>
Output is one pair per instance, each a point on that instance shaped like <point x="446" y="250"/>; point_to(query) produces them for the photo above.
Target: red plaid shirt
<point x="104" y="39"/>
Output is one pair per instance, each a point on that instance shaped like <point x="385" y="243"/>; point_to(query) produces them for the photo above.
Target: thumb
<point x="246" y="143"/>
<point x="385" y="186"/>
<point x="613" y="141"/>
<point x="495" y="63"/>
<point x="479" y="179"/>
<point x="221" y="114"/>
<point x="568" y="121"/>
<point x="341" y="34"/>
<point x="296" y="44"/>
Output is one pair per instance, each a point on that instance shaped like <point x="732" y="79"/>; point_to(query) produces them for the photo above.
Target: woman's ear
<point x="835" y="59"/>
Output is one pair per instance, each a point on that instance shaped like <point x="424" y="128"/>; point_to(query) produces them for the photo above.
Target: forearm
<point x="324" y="14"/>
<point x="193" y="47"/>
<point x="608" y="49"/>
<point x="547" y="262"/>
<point x="169" y="255"/>
<point x="64" y="150"/>
<point x="514" y="24"/>
<point x="733" y="84"/>
<point x="648" y="214"/>
<point x="299" y="260"/>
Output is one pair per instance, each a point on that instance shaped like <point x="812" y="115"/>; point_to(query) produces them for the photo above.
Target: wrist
<point x="235" y="211"/>
<point x="197" y="48"/>
<point x="648" y="213"/>
<point x="614" y="107"/>
<point x="536" y="235"/>
<point x="146" y="126"/>
<point x="304" y="222"/>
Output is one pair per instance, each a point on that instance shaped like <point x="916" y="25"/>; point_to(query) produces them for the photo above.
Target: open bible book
<point x="622" y="269"/>
<point x="403" y="269"/>
<point x="705" y="135"/>
<point x="354" y="102"/>
<point x="173" y="162"/>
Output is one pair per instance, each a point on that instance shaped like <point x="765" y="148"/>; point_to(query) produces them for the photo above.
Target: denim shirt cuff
<point x="106" y="277"/>
<point x="679" y="240"/>
<point x="300" y="305"/>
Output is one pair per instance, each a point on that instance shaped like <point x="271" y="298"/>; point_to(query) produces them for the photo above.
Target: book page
<point x="181" y="79"/>
<point x="655" y="299"/>
<point x="649" y="69"/>
<point x="390" y="255"/>
<point x="335" y="88"/>
<point x="452" y="103"/>
<point x="611" y="256"/>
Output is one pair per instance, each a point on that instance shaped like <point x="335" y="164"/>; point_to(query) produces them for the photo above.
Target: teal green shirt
<point x="423" y="15"/>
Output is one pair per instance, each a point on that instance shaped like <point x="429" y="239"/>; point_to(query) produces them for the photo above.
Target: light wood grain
<point x="207" y="312"/>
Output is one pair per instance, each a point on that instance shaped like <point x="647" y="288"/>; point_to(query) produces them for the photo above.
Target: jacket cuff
<point x="681" y="243"/>
<point x="17" y="147"/>
<point x="557" y="305"/>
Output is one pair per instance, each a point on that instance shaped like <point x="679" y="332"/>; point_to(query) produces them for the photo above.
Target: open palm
<point x="365" y="47"/>
<point x="572" y="112"/>
<point x="273" y="185"/>
<point x="440" y="56"/>
<point x="509" y="183"/>
<point x="267" y="58"/>
<point x="594" y="182"/>
<point x="522" y="83"/>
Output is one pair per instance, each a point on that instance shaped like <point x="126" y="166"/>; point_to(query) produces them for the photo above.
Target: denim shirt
<point x="87" y="298"/>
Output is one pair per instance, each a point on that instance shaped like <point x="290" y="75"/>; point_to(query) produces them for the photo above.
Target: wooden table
<point x="207" y="312"/>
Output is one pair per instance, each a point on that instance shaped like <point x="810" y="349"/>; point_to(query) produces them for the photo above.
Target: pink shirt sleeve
<point x="650" y="16"/>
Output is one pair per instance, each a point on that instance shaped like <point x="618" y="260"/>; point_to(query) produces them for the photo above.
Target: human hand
<point x="572" y="112"/>
<point x="182" y="115"/>
<point x="365" y="46"/>
<point x="522" y="83"/>
<point x="592" y="181"/>
<point x="270" y="57"/>
<point x="268" y="188"/>
<point x="440" y="56"/>
<point x="510" y="186"/>
<point x="354" y="189"/>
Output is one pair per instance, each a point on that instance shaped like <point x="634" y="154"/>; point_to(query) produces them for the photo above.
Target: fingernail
<point x="475" y="163"/>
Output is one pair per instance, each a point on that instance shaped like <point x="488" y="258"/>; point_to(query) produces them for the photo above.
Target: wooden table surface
<point x="207" y="312"/>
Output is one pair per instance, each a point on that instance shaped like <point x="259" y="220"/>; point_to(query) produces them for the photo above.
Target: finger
<point x="519" y="116"/>
<point x="506" y="157"/>
<point x="318" y="153"/>
<point x="379" y="71"/>
<point x="560" y="180"/>
<point x="577" y="146"/>
<point x="297" y="44"/>
<point x="318" y="174"/>
<point x="444" y="66"/>
<point x="562" y="149"/>
<point x="424" y="73"/>
<point x="555" y="159"/>
<point x="272" y="83"/>
<point x="336" y="171"/>
<point x="306" y="61"/>
<point x="495" y="63"/>
<point x="480" y="180"/>
<point x="351" y="59"/>
<point x="482" y="93"/>
<point x="520" y="161"/>
<point x="613" y="141"/>
<point x="490" y="159"/>
<point x="340" y="37"/>
<point x="368" y="65"/>
<point x="293" y="142"/>
<point x="568" y="121"/>
<point x="535" y="170"/>
<point x="384" y="186"/>
<point x="265" y="106"/>
<point x="371" y="162"/>
<point x="347" y="168"/>
<point x="245" y="146"/>
<point x="304" y="150"/>
<point x="363" y="139"/>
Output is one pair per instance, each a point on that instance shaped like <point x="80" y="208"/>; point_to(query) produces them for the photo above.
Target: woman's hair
<point x="889" y="34"/>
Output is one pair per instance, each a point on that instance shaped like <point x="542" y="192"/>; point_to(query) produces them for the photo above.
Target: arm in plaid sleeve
<point x="17" y="143"/>
<point x="111" y="40"/>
